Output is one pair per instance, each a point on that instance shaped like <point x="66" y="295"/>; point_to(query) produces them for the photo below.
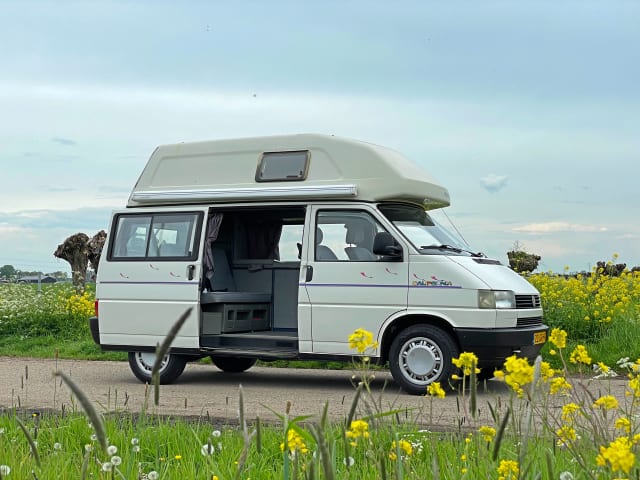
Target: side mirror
<point x="384" y="244"/>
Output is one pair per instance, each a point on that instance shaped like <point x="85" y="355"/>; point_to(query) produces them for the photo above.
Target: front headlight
<point x="496" y="299"/>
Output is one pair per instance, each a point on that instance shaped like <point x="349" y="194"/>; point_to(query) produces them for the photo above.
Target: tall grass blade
<point x="473" y="387"/>
<point x="85" y="465"/>
<point x="550" y="462"/>
<point x="500" y="434"/>
<point x="258" y="435"/>
<point x="162" y="350"/>
<point x="321" y="441"/>
<point x="32" y="444"/>
<point x="87" y="406"/>
<point x="354" y="404"/>
<point x="241" y="419"/>
<point x="399" y="465"/>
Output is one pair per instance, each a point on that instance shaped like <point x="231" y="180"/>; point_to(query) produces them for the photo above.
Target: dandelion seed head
<point x="349" y="461"/>
<point x="207" y="449"/>
<point x="107" y="466"/>
<point x="5" y="470"/>
<point x="153" y="475"/>
<point x="116" y="460"/>
<point x="216" y="433"/>
<point x="112" y="450"/>
<point x="135" y="441"/>
<point x="93" y="437"/>
<point x="136" y="448"/>
<point x="57" y="446"/>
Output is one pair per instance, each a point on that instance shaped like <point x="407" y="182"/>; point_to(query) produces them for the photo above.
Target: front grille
<point x="529" y="321"/>
<point x="527" y="301"/>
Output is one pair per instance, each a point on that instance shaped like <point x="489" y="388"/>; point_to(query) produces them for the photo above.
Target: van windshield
<point x="427" y="235"/>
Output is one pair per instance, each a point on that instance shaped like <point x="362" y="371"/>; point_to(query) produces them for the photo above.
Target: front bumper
<point x="494" y="346"/>
<point x="95" y="329"/>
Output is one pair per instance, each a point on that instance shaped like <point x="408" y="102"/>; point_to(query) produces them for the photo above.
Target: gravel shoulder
<point x="204" y="391"/>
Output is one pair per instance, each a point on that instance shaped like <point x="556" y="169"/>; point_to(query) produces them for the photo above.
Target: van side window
<point x="170" y="236"/>
<point x="346" y="235"/>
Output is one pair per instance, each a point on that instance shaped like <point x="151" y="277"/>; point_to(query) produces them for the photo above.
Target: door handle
<point x="190" y="270"/>
<point x="308" y="274"/>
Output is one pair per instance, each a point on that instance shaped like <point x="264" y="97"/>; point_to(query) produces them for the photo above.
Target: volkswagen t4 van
<point x="282" y="246"/>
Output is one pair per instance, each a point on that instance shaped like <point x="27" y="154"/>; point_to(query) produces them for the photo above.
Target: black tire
<point x="420" y="355"/>
<point x="233" y="364"/>
<point x="141" y="364"/>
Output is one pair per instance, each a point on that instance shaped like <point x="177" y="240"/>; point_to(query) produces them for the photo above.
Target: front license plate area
<point x="539" y="337"/>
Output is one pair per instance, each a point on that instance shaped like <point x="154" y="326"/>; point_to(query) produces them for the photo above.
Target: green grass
<point x="174" y="449"/>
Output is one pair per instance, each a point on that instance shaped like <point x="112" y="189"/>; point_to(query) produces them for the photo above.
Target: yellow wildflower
<point x="617" y="455"/>
<point x="580" y="355"/>
<point x="435" y="390"/>
<point x="566" y="434"/>
<point x="359" y="428"/>
<point x="634" y="387"/>
<point x="558" y="337"/>
<point x="606" y="402"/>
<point x="295" y="443"/>
<point x="487" y="433"/>
<point x="467" y="361"/>
<point x="623" y="423"/>
<point x="361" y="340"/>
<point x="508" y="470"/>
<point x="519" y="373"/>
<point x="569" y="412"/>
<point x="405" y="448"/>
<point x="559" y="385"/>
<point x="546" y="372"/>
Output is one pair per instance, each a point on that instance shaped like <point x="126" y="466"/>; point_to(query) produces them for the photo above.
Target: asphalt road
<point x="205" y="391"/>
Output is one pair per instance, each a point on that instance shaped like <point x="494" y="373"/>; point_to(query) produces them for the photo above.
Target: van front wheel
<point x="141" y="364"/>
<point x="420" y="355"/>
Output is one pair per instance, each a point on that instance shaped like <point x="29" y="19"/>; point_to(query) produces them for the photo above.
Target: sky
<point x="528" y="112"/>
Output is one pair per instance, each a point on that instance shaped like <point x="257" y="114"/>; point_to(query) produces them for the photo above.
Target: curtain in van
<point x="263" y="238"/>
<point x="213" y="228"/>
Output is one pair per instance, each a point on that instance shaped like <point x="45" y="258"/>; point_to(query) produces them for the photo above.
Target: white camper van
<point x="283" y="246"/>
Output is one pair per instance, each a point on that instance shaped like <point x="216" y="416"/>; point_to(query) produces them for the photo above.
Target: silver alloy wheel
<point x="420" y="360"/>
<point x="146" y="360"/>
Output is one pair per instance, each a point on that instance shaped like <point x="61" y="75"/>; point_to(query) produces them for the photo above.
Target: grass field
<point x="574" y="435"/>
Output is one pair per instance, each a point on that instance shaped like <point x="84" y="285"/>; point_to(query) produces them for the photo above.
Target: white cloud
<point x="7" y="230"/>
<point x="553" y="227"/>
<point x="493" y="182"/>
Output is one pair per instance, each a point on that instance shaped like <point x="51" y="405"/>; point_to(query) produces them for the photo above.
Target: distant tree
<point x="521" y="261"/>
<point x="611" y="269"/>
<point x="8" y="272"/>
<point x="95" y="246"/>
<point x="75" y="250"/>
<point x="80" y="251"/>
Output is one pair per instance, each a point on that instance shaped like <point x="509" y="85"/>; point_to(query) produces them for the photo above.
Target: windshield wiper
<point x="451" y="248"/>
<point x="443" y="246"/>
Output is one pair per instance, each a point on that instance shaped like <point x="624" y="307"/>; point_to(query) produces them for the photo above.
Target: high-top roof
<point x="257" y="169"/>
